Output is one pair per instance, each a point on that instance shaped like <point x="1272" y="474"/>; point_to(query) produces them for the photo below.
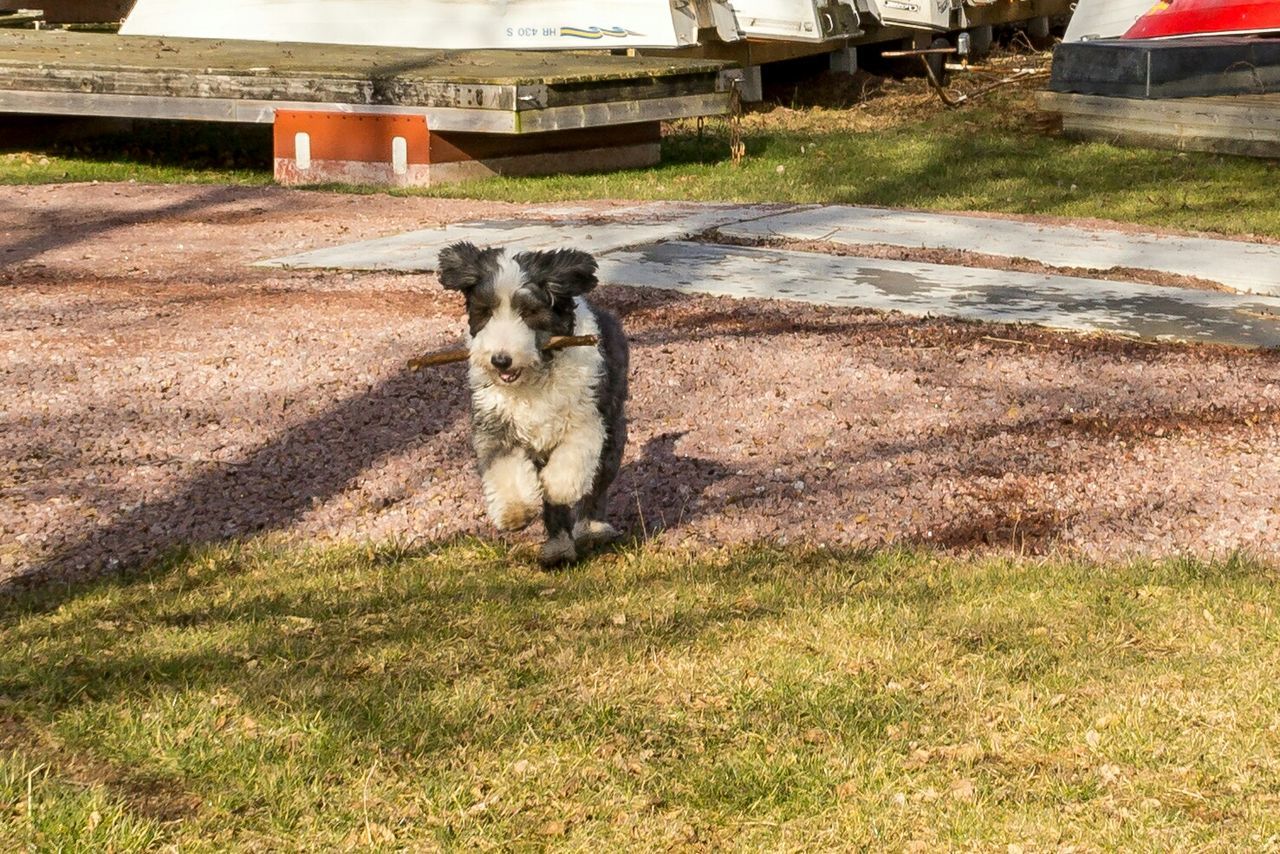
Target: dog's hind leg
<point x="559" y="547"/>
<point x="611" y="403"/>
<point x="592" y="529"/>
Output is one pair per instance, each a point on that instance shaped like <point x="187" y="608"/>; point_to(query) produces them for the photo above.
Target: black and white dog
<point x="548" y="427"/>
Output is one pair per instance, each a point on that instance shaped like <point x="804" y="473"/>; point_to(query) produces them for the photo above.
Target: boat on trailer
<point x="796" y="20"/>
<point x="441" y="24"/>
<point x="501" y="24"/>
<point x="1185" y="18"/>
<point x="1199" y="75"/>
<point x="1139" y="19"/>
<point x="569" y="24"/>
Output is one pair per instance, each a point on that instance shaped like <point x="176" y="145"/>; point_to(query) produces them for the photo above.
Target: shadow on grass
<point x="156" y="144"/>
<point x="418" y="657"/>
<point x="404" y="650"/>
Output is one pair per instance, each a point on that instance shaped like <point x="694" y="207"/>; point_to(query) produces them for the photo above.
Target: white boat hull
<point x="447" y="24"/>
<point x="1104" y="19"/>
<point x="796" y="20"/>
<point x="933" y="15"/>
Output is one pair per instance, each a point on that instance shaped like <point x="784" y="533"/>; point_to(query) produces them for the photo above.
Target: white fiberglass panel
<point x="933" y="15"/>
<point x="448" y="24"/>
<point x="1104" y="19"/>
<point x="795" y="20"/>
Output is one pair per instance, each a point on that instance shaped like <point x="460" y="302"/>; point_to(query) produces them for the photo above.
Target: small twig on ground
<point x="1011" y="341"/>
<point x="1021" y="35"/>
<point x="31" y="806"/>
<point x="954" y="101"/>
<point x="644" y="528"/>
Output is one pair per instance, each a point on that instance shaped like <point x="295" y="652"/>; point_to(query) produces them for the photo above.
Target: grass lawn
<point x="274" y="697"/>
<point x="899" y="149"/>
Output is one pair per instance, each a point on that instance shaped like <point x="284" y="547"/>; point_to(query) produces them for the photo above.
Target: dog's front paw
<point x="513" y="517"/>
<point x="557" y="551"/>
<point x="512" y="494"/>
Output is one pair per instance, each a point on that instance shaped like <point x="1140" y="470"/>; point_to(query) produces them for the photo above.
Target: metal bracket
<point x="533" y="97"/>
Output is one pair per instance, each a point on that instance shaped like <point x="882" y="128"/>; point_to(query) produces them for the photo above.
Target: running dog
<point x="548" y="427"/>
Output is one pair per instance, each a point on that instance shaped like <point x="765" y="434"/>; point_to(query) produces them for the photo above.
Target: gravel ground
<point x="157" y="390"/>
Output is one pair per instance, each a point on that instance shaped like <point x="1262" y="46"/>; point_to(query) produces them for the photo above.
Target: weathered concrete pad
<point x="416" y="251"/>
<point x="1251" y="267"/>
<point x="1063" y="302"/>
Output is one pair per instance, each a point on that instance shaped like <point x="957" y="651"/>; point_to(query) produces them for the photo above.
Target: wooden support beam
<point x="1225" y="124"/>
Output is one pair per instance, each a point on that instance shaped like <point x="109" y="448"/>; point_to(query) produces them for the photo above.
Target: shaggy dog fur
<point x="548" y="427"/>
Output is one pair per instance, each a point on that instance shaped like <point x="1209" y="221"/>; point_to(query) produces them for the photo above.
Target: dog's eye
<point x="530" y="296"/>
<point x="535" y="316"/>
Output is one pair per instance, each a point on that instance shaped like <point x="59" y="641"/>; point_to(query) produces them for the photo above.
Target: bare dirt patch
<point x="161" y="391"/>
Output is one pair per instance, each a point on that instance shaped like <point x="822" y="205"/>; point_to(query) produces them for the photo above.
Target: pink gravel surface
<point x="157" y="391"/>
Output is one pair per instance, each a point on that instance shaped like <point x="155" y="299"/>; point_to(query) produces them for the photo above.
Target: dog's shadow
<point x="660" y="489"/>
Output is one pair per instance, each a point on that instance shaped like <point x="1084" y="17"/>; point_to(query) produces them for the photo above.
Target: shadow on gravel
<point x="53" y="229"/>
<point x="663" y="489"/>
<point x="317" y="460"/>
<point x="660" y="488"/>
<point x="278" y="482"/>
<point x="310" y="463"/>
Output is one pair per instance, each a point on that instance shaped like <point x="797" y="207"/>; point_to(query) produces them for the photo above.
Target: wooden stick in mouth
<point x="448" y="357"/>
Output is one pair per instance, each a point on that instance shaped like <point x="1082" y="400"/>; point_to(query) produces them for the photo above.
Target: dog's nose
<point x="501" y="361"/>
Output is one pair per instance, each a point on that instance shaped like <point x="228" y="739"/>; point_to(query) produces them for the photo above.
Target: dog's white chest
<point x="542" y="414"/>
<point x="561" y="402"/>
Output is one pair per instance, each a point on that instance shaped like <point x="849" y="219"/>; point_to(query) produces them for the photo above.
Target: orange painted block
<point x="313" y="146"/>
<point x="324" y="147"/>
<point x="368" y="138"/>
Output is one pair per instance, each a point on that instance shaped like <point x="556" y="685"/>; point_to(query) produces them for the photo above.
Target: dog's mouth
<point x="508" y="377"/>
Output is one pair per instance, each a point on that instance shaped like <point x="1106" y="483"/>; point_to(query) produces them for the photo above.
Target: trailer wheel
<point x="1038" y="32"/>
<point x="938" y="61"/>
<point x="980" y="39"/>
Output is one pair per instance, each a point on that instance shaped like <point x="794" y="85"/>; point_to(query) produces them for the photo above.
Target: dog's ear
<point x="563" y="272"/>
<point x="464" y="265"/>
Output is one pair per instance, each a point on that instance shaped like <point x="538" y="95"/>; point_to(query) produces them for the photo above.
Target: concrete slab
<point x="1062" y="302"/>
<point x="1250" y="267"/>
<point x="416" y="251"/>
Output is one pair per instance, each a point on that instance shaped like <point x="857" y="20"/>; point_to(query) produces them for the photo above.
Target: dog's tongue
<point x="509" y="376"/>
